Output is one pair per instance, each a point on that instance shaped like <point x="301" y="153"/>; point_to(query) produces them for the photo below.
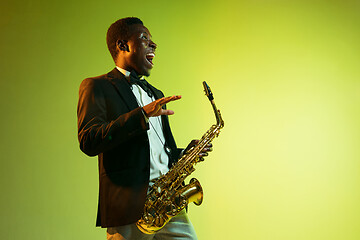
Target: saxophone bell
<point x="192" y="192"/>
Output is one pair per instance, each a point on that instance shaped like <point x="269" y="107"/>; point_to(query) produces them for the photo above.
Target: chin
<point x="145" y="72"/>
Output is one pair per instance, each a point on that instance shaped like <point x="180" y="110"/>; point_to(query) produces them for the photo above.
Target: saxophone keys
<point x="171" y="210"/>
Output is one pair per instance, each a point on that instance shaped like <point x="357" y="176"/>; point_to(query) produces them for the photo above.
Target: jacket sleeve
<point x="96" y="133"/>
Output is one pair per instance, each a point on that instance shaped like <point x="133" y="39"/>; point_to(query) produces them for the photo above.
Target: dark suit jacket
<point x="112" y="126"/>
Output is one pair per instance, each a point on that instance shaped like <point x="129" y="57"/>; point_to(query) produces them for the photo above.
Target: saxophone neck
<point x="209" y="94"/>
<point x="219" y="120"/>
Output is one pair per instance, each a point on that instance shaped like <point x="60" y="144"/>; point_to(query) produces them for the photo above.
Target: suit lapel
<point x="157" y="93"/>
<point x="121" y="84"/>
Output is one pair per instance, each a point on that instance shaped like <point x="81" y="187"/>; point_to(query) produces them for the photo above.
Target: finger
<point x="207" y="150"/>
<point x="165" y="100"/>
<point x="169" y="99"/>
<point x="165" y="112"/>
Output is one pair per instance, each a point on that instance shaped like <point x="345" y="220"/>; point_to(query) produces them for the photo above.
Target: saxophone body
<point x="168" y="196"/>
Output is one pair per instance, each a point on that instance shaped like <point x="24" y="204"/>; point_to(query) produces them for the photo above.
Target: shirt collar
<point x="123" y="71"/>
<point x="126" y="73"/>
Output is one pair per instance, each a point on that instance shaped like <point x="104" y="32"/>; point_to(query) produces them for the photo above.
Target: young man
<point x="124" y="121"/>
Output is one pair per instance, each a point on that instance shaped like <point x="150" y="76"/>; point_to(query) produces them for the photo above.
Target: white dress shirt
<point x="158" y="157"/>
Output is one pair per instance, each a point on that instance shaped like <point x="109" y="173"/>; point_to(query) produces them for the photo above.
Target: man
<point x="124" y="121"/>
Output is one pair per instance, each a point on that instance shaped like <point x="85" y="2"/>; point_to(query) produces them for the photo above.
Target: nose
<point x="152" y="45"/>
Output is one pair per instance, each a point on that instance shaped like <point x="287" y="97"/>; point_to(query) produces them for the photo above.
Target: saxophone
<point x="168" y="196"/>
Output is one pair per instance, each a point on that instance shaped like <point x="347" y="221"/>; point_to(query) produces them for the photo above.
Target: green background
<point x="285" y="75"/>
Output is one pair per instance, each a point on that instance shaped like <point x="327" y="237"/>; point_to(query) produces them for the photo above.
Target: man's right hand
<point x="155" y="109"/>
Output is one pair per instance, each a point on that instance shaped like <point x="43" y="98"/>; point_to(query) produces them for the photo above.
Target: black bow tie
<point x="134" y="79"/>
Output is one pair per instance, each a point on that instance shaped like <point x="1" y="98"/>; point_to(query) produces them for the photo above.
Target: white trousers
<point x="178" y="228"/>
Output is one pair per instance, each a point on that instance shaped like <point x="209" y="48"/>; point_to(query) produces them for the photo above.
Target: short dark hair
<point x="119" y="30"/>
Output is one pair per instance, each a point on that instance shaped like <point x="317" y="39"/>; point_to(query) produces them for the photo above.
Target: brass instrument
<point x="168" y="196"/>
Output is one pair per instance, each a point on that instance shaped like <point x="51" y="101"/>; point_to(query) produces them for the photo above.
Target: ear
<point x="122" y="45"/>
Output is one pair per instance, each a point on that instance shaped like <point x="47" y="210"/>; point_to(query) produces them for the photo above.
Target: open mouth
<point x="150" y="57"/>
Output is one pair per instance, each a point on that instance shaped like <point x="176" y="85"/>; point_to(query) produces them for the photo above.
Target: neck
<point x="123" y="71"/>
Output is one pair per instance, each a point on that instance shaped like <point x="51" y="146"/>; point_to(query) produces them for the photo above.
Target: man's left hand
<point x="203" y="153"/>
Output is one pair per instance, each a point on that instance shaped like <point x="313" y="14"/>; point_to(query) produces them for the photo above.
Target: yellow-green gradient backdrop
<point x="285" y="75"/>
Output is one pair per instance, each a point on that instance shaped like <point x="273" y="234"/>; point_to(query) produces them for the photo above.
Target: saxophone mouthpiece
<point x="208" y="91"/>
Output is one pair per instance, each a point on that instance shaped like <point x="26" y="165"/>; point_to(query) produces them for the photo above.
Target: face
<point x="141" y="51"/>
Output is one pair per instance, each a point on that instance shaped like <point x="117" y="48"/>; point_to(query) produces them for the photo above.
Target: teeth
<point x="150" y="55"/>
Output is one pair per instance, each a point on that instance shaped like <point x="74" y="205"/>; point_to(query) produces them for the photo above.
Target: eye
<point x="144" y="37"/>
